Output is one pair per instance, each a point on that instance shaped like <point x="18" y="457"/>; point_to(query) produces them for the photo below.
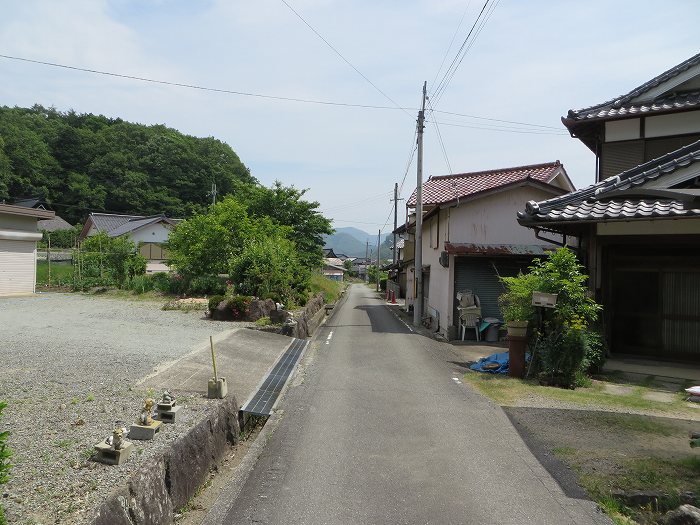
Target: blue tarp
<point x="500" y="359"/>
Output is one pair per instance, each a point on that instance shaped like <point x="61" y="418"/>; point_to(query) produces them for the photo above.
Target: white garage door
<point x="17" y="267"/>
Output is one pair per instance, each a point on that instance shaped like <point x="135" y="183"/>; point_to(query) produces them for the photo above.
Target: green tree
<point x="105" y="260"/>
<point x="204" y="244"/>
<point x="268" y="266"/>
<point x="286" y="206"/>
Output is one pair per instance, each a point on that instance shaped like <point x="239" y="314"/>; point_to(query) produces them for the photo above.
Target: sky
<point x="532" y="61"/>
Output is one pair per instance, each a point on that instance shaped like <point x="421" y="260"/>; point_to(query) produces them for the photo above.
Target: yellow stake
<point x="213" y="357"/>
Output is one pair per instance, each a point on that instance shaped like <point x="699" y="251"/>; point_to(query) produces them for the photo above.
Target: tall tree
<point x="286" y="206"/>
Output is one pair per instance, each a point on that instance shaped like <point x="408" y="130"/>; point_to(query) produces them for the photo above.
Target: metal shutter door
<point x="479" y="276"/>
<point x="620" y="156"/>
<point x="17" y="267"/>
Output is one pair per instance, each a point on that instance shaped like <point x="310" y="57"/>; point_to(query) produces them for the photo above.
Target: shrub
<point x="141" y="284"/>
<point x="239" y="305"/>
<point x="269" y="265"/>
<point x="161" y="282"/>
<point x="596" y="351"/>
<point x="207" y="285"/>
<point x="214" y="301"/>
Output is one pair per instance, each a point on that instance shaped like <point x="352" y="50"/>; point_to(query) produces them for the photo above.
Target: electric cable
<point x="201" y="88"/>
<point x="342" y="57"/>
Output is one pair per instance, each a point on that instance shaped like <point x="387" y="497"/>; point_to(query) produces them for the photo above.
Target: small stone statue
<point x="146" y="415"/>
<point x="118" y="438"/>
<point x="167" y="398"/>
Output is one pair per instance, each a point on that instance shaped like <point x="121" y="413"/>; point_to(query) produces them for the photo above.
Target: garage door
<point x="17" y="267"/>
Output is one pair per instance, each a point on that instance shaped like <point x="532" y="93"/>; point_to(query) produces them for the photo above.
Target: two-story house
<point x="638" y="226"/>
<point x="471" y="236"/>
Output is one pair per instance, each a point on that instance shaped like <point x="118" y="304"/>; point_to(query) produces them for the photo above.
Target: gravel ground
<point x="69" y="364"/>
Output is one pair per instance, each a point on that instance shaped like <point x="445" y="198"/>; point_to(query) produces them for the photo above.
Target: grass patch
<point x="264" y="321"/>
<point x="61" y="274"/>
<point x="330" y="289"/>
<point x="507" y="391"/>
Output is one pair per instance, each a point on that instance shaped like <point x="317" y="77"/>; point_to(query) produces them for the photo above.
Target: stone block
<point x="217" y="389"/>
<point x="165" y="406"/>
<point x="144" y="432"/>
<point x="168" y="416"/>
<point x="104" y="453"/>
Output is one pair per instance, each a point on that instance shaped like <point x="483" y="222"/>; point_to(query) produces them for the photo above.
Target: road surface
<point x="381" y="431"/>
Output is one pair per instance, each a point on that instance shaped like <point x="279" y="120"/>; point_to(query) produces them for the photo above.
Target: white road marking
<point x="328" y="339"/>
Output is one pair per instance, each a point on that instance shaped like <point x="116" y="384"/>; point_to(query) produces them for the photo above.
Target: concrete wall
<point x="493" y="219"/>
<point x="17" y="222"/>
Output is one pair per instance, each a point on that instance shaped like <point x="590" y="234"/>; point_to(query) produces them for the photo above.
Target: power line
<point x="342" y="57"/>
<point x="249" y="94"/>
<point x="201" y="88"/>
<point x="444" y="81"/>
<point x="505" y="129"/>
<point x="495" y="119"/>
<point x="442" y="144"/>
<point x="449" y="48"/>
<point x="357" y="203"/>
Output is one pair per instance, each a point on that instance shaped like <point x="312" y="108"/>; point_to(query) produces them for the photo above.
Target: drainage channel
<point x="264" y="400"/>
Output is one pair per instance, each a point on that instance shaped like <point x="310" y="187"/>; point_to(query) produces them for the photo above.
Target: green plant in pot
<point x="516" y="303"/>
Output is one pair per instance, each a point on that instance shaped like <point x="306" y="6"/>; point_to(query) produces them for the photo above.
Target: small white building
<point x="148" y="233"/>
<point x="18" y="238"/>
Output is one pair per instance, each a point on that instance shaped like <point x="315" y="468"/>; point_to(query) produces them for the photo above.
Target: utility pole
<point x="379" y="236"/>
<point x="396" y="209"/>
<point x="213" y="192"/>
<point x="418" y="259"/>
<point x="367" y="261"/>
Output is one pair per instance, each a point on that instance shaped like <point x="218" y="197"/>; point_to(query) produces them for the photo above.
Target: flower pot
<point x="517" y="328"/>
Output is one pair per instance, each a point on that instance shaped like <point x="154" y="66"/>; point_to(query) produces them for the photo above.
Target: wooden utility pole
<point x="418" y="259"/>
<point x="396" y="209"/>
<point x="367" y="261"/>
<point x="379" y="236"/>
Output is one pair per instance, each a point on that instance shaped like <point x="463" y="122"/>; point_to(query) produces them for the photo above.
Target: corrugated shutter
<point x="620" y="156"/>
<point x="658" y="147"/>
<point x="681" y="312"/>
<point x="17" y="267"/>
<point x="481" y="276"/>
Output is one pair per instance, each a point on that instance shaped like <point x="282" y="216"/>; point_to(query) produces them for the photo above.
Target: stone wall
<point x="309" y="318"/>
<point x="167" y="481"/>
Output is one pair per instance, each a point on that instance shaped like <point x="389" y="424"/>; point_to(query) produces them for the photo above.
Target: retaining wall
<point x="167" y="481"/>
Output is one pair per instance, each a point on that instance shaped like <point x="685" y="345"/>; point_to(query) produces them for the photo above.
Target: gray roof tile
<point x="608" y="199"/>
<point x="621" y="107"/>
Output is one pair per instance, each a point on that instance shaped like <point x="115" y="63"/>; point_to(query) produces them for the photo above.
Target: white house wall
<point x="17" y="222"/>
<point x="152" y="233"/>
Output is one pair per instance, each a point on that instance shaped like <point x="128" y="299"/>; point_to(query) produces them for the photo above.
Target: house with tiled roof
<point x="638" y="225"/>
<point x="148" y="233"/>
<point x="471" y="235"/>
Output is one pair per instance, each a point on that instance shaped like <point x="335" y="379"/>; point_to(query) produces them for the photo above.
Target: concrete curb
<point x="167" y="481"/>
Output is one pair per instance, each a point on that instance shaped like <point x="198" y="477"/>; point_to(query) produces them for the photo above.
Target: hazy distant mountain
<point x="352" y="241"/>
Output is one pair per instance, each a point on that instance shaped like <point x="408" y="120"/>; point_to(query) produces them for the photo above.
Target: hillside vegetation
<point x="82" y="162"/>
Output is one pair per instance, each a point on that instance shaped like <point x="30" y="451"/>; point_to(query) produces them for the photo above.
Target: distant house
<point x="333" y="271"/>
<point x="55" y="224"/>
<point x="18" y="238"/>
<point x="638" y="226"/>
<point x="149" y="233"/>
<point x="328" y="253"/>
<point x="471" y="236"/>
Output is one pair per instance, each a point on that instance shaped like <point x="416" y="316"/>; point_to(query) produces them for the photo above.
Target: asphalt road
<point x="382" y="431"/>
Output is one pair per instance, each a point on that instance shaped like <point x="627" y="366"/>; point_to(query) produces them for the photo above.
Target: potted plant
<point x="516" y="303"/>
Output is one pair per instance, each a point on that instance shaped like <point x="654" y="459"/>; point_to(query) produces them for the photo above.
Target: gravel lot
<point x="68" y="368"/>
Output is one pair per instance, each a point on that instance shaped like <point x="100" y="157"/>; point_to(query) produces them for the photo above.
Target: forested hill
<point x="82" y="162"/>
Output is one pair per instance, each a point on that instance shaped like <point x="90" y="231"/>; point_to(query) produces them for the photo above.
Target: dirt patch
<point x="608" y="454"/>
